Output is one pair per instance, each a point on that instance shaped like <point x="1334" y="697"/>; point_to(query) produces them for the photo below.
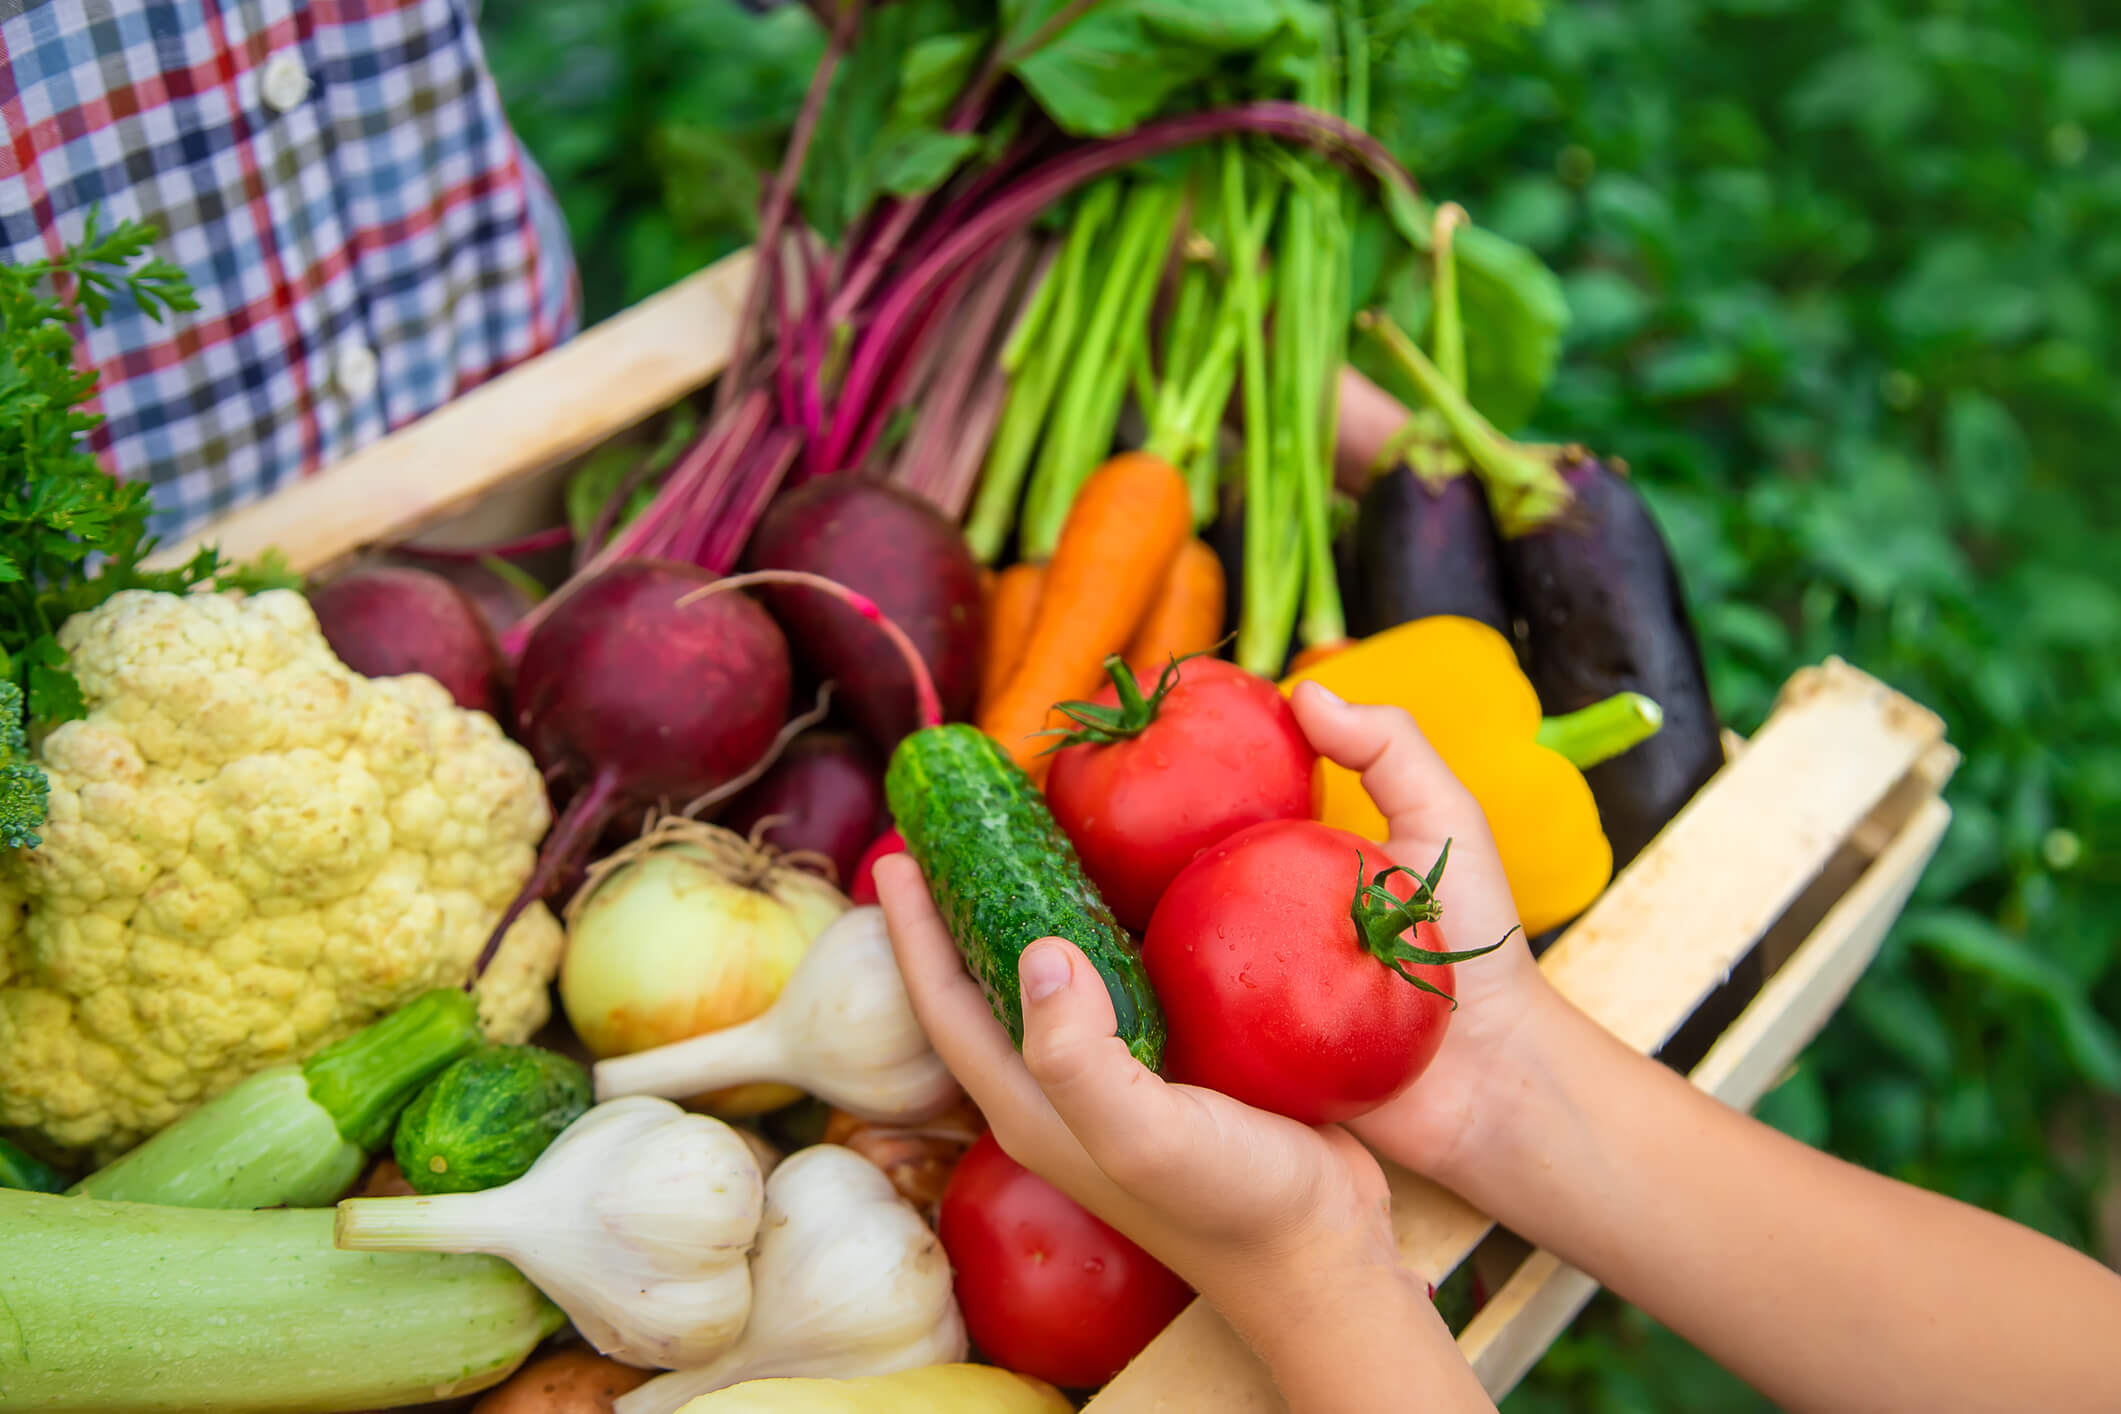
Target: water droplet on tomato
<point x="1095" y="1266"/>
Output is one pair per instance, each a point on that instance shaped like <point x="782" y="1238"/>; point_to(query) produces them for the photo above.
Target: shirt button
<point x="285" y="83"/>
<point x="355" y="370"/>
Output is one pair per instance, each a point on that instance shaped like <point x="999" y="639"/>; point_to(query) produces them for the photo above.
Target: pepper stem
<point x="1381" y="917"/>
<point x="365" y="1080"/>
<point x="1602" y="730"/>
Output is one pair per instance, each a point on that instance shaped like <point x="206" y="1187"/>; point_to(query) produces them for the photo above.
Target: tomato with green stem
<point x="1141" y="784"/>
<point x="1281" y="991"/>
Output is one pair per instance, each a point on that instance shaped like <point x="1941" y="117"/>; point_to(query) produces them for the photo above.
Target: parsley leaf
<point x="70" y="534"/>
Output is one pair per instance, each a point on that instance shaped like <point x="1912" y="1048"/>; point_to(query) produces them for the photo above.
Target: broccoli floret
<point x="25" y="791"/>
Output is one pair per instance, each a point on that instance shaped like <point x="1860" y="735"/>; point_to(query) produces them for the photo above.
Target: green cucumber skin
<point x="1003" y="875"/>
<point x="487" y="1116"/>
<point x="133" y="1308"/>
<point x="264" y="1143"/>
<point x="24" y="1170"/>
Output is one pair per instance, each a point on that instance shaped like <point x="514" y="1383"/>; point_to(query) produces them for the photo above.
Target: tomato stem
<point x="1381" y="917"/>
<point x="1102" y="726"/>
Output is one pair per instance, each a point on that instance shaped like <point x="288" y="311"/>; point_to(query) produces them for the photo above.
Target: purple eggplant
<point x="1604" y="612"/>
<point x="1592" y="586"/>
<point x="1422" y="549"/>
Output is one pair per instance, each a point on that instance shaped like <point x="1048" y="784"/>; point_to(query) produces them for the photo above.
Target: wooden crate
<point x="1799" y="854"/>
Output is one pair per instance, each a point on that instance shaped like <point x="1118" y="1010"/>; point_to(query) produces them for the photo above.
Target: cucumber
<point x="485" y="1119"/>
<point x="1003" y="875"/>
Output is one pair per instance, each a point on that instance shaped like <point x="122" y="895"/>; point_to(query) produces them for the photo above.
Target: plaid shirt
<point x="366" y="238"/>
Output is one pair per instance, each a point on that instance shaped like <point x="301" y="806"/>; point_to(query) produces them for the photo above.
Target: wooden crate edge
<point x="1854" y="740"/>
<point x="1545" y="1294"/>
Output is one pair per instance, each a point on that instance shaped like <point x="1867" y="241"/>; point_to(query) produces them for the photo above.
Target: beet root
<point x="1604" y="612"/>
<point x="386" y="621"/>
<point x="827" y="790"/>
<point x="1423" y="550"/>
<point x="633" y="690"/>
<point x="896" y="549"/>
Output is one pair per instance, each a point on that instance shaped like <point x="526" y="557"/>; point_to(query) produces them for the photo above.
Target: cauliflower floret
<point x="251" y="852"/>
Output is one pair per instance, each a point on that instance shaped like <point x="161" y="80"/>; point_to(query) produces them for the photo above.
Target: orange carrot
<point x="1318" y="653"/>
<point x="1125" y="528"/>
<point x="1187" y="616"/>
<point x="1012" y="605"/>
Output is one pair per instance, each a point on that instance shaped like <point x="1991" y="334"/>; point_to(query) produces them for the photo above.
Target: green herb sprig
<point x="71" y="535"/>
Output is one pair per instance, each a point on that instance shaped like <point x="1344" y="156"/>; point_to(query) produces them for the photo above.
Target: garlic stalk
<point x="846" y="1280"/>
<point x="636" y="1222"/>
<point x="842" y="1029"/>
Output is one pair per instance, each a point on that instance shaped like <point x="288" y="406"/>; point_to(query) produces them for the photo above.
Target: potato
<point x="576" y="1380"/>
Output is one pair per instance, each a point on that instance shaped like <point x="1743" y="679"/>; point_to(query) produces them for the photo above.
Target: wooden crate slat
<point x="1660" y="939"/>
<point x="1545" y="1294"/>
<point x="538" y="414"/>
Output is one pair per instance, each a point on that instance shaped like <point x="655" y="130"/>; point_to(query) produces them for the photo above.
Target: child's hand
<point x="1237" y="1201"/>
<point x="1436" y="1124"/>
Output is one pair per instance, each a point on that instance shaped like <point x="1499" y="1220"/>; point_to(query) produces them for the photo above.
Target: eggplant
<point x="1425" y="548"/>
<point x="1603" y="611"/>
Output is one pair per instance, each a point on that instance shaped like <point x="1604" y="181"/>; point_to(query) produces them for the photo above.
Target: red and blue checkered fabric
<point x="366" y="237"/>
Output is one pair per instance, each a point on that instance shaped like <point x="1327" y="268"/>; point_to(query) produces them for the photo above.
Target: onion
<point x="688" y="929"/>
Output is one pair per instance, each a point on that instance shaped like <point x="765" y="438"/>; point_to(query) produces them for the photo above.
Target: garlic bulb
<point x="842" y="1029"/>
<point x="636" y="1222"/>
<point x="846" y="1280"/>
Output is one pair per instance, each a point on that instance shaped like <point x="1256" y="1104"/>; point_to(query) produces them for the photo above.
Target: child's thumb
<point x="1071" y="1048"/>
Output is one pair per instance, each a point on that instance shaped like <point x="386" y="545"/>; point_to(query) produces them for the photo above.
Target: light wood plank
<point x="1545" y="1294"/>
<point x="603" y="381"/>
<point x="1663" y="935"/>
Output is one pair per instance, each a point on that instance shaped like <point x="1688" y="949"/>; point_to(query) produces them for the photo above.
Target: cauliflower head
<point x="251" y="852"/>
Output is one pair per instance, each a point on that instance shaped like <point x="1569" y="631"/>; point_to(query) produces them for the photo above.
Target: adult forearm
<point x="1358" y="1337"/>
<point x="1824" y="1286"/>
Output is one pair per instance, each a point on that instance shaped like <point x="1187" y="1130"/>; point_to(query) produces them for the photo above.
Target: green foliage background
<point x="1843" y="277"/>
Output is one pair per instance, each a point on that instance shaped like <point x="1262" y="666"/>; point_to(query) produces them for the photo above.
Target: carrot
<point x="1012" y="605"/>
<point x="1318" y="653"/>
<point x="1123" y="530"/>
<point x="1187" y="616"/>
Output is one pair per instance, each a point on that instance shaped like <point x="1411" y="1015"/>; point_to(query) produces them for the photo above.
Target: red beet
<point x="501" y="600"/>
<point x="626" y="694"/>
<point x="387" y="621"/>
<point x="894" y="547"/>
<point x="828" y="789"/>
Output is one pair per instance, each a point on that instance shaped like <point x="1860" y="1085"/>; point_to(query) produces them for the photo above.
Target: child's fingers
<point x="1409" y="783"/>
<point x="947" y="1002"/>
<point x="1117" y="1108"/>
<point x="953" y="1011"/>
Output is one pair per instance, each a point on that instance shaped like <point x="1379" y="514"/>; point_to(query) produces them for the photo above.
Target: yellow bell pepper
<point x="1461" y="682"/>
<point x="932" y="1389"/>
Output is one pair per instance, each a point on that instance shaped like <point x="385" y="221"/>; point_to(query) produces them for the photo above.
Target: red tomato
<point x="861" y="888"/>
<point x="1270" y="994"/>
<point x="1047" y="1289"/>
<point x="1223" y="751"/>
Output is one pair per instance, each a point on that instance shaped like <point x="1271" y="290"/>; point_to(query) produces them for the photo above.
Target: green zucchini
<point x="485" y="1119"/>
<point x="296" y="1136"/>
<point x="136" y="1308"/>
<point x="1004" y="875"/>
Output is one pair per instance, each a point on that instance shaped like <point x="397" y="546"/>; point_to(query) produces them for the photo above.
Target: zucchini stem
<point x="364" y="1081"/>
